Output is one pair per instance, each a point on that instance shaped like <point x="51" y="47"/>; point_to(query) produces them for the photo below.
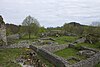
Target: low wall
<point x="54" y="48"/>
<point x="56" y="60"/>
<point x="60" y="62"/>
<point x="14" y="36"/>
<point x="87" y="48"/>
<point x="46" y="52"/>
<point x="81" y="40"/>
<point x="90" y="62"/>
<point x="22" y="44"/>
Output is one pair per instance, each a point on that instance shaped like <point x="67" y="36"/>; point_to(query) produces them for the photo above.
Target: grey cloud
<point x="51" y="12"/>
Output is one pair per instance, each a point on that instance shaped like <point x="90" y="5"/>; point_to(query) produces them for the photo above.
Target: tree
<point x="42" y="30"/>
<point x="92" y="34"/>
<point x="1" y="20"/>
<point x="12" y="29"/>
<point x="30" y="25"/>
<point x="73" y="27"/>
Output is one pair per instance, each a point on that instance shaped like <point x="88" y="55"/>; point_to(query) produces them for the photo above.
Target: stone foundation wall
<point x="15" y="36"/>
<point x="87" y="48"/>
<point x="3" y="35"/>
<point x="54" y="48"/>
<point x="22" y="44"/>
<point x="3" y="31"/>
<point x="46" y="52"/>
<point x="90" y="62"/>
<point x="81" y="40"/>
<point x="56" y="60"/>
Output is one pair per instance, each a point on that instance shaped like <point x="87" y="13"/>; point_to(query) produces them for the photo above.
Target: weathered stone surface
<point x="91" y="49"/>
<point x="56" y="60"/>
<point x="15" y="36"/>
<point x="81" y="40"/>
<point x="71" y="45"/>
<point x="54" y="48"/>
<point x="87" y="53"/>
<point x="22" y="44"/>
<point x="3" y="31"/>
<point x="48" y="38"/>
<point x="73" y="58"/>
<point x="90" y="62"/>
<point x="47" y="53"/>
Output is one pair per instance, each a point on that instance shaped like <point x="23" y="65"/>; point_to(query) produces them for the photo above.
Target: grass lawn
<point x="96" y="45"/>
<point x="69" y="52"/>
<point x="7" y="56"/>
<point x="27" y="37"/>
<point x="49" y="64"/>
<point x="98" y="65"/>
<point x="65" y="39"/>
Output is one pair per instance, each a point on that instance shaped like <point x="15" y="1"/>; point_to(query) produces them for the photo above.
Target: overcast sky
<point x="51" y="12"/>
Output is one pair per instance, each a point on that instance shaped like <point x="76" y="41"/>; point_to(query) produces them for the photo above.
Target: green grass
<point x="72" y="61"/>
<point x="7" y="56"/>
<point x="49" y="64"/>
<point x="98" y="65"/>
<point x="96" y="45"/>
<point x="69" y="52"/>
<point x="65" y="39"/>
<point x="27" y="36"/>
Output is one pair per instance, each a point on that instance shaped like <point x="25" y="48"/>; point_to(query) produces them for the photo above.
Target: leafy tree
<point x="12" y="29"/>
<point x="73" y="27"/>
<point x="1" y="20"/>
<point x="42" y="30"/>
<point x="31" y="26"/>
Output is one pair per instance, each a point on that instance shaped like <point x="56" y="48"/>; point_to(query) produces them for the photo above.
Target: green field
<point x="98" y="65"/>
<point x="7" y="56"/>
<point x="69" y="52"/>
<point x="65" y="39"/>
<point x="48" y="64"/>
<point x="95" y="46"/>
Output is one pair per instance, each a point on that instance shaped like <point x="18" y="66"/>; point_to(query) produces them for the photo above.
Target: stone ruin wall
<point x="46" y="52"/>
<point x="54" y="48"/>
<point x="56" y="60"/>
<point x="90" y="62"/>
<point x="21" y="44"/>
<point x="13" y="37"/>
<point x="3" y="31"/>
<point x="59" y="61"/>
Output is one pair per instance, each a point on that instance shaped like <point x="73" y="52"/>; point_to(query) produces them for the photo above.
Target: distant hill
<point x="75" y="24"/>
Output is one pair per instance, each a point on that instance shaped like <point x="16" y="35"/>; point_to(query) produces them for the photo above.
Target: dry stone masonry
<point x="3" y="31"/>
<point x="47" y="52"/>
<point x="21" y="44"/>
